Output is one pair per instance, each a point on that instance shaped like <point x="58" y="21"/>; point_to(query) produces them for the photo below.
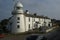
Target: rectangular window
<point x="18" y="22"/>
<point x="29" y="26"/>
<point x="34" y="19"/>
<point x="18" y="26"/>
<point x="29" y="19"/>
<point x="18" y="18"/>
<point x="49" y="25"/>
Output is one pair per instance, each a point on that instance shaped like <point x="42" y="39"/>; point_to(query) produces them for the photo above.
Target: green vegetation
<point x="3" y="24"/>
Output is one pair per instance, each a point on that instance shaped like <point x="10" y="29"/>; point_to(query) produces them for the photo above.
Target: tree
<point x="3" y="24"/>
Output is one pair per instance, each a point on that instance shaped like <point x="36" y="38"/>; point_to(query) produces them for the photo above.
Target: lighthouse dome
<point x="18" y="8"/>
<point x="18" y="4"/>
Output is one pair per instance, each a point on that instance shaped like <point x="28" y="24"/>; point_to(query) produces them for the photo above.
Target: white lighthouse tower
<point x="24" y="21"/>
<point x="17" y="21"/>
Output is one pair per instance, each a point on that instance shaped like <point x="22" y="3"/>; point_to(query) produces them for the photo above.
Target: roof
<point x="32" y="15"/>
<point x="37" y="16"/>
<point x="18" y="4"/>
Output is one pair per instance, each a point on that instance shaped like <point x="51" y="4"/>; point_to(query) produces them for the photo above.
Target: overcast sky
<point x="50" y="8"/>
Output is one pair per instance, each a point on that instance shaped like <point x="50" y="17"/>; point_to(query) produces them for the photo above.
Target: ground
<point x="53" y="35"/>
<point x="56" y="35"/>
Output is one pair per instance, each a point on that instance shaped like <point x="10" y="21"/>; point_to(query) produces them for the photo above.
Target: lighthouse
<point x="22" y="21"/>
<point x="17" y="21"/>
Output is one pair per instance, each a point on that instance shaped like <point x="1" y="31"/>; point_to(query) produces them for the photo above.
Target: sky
<point x="50" y="8"/>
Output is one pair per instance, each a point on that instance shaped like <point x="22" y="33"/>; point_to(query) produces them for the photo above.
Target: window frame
<point x="18" y="22"/>
<point x="29" y="19"/>
<point x="18" y="18"/>
<point x="17" y="7"/>
<point x="29" y="26"/>
<point x="18" y="26"/>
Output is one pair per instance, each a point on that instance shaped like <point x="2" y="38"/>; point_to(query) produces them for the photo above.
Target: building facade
<point x="24" y="21"/>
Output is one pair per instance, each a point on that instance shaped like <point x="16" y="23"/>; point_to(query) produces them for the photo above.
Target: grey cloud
<point x="49" y="8"/>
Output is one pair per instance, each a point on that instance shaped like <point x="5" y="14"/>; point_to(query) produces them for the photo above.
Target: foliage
<point x="3" y="24"/>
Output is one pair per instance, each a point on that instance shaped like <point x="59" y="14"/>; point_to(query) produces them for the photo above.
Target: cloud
<point x="49" y="8"/>
<point x="5" y="9"/>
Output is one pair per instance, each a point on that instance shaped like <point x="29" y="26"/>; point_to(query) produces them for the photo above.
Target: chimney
<point x="27" y="12"/>
<point x="35" y="14"/>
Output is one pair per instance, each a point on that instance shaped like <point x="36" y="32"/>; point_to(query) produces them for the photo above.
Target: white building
<point x="24" y="21"/>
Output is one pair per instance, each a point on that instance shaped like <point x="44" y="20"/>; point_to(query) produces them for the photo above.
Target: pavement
<point x="48" y="30"/>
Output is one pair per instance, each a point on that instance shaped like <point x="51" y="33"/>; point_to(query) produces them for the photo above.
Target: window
<point x="44" y="22"/>
<point x="49" y="25"/>
<point x="29" y="19"/>
<point x="17" y="7"/>
<point x="29" y="26"/>
<point x="34" y="19"/>
<point x="18" y="26"/>
<point x="18" y="18"/>
<point x="18" y="22"/>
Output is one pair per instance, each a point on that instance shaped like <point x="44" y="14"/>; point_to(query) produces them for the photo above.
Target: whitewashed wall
<point x="47" y="22"/>
<point x="36" y="19"/>
<point x="28" y="22"/>
<point x="41" y="22"/>
<point x="21" y="23"/>
<point x="24" y="23"/>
